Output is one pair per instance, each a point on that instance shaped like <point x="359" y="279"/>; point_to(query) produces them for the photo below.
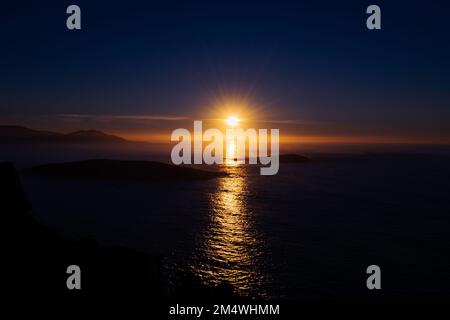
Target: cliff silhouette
<point x="35" y="260"/>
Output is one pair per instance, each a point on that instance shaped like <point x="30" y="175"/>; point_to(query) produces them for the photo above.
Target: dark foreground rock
<point x="35" y="260"/>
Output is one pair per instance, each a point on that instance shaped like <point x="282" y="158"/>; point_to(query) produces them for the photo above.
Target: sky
<point x="311" y="68"/>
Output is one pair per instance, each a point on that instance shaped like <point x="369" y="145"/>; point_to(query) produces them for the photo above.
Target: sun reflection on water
<point x="231" y="153"/>
<point x="231" y="249"/>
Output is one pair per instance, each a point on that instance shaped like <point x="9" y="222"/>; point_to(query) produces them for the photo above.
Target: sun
<point x="232" y="121"/>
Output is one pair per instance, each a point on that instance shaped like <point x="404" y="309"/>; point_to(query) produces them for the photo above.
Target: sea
<point x="308" y="232"/>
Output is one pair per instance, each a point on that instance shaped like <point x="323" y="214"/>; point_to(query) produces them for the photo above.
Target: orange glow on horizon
<point x="164" y="138"/>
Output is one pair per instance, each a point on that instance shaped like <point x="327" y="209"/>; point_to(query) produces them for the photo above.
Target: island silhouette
<point x="122" y="170"/>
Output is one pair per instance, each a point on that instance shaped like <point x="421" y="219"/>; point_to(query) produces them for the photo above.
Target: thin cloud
<point x="103" y="117"/>
<point x="281" y="121"/>
<point x="286" y="121"/>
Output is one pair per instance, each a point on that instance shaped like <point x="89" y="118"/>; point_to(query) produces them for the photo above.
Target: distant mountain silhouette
<point x="123" y="170"/>
<point x="18" y="134"/>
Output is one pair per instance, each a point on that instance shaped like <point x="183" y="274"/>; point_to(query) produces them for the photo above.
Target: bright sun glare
<point x="232" y="121"/>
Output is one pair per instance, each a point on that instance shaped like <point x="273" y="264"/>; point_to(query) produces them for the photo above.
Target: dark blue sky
<point x="313" y="61"/>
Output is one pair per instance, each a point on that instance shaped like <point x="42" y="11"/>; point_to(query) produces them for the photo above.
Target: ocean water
<point x="308" y="232"/>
